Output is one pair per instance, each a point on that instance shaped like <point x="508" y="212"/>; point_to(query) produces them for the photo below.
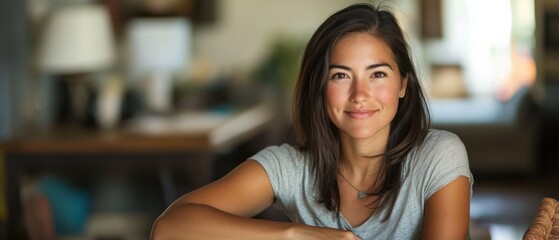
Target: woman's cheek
<point x="334" y="95"/>
<point x="387" y="93"/>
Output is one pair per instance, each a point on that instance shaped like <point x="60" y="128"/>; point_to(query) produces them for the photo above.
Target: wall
<point x="245" y="29"/>
<point x="14" y="84"/>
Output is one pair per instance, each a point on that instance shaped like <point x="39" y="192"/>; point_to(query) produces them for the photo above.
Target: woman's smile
<point x="360" y="113"/>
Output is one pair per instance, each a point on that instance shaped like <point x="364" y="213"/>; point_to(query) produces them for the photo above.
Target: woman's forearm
<point x="195" y="221"/>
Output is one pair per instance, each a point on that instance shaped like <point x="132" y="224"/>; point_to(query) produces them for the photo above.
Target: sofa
<point x="501" y="137"/>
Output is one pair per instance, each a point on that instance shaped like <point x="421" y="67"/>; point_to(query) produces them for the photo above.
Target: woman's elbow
<point x="168" y="226"/>
<point x="158" y="230"/>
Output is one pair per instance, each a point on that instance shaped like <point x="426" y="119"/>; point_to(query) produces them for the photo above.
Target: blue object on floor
<point x="70" y="205"/>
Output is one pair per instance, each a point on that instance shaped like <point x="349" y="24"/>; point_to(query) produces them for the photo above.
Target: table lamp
<point x="78" y="40"/>
<point x="159" y="48"/>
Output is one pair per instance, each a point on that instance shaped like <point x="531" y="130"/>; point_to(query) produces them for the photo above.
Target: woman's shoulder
<point x="441" y="158"/>
<point x="285" y="168"/>
<point x="282" y="149"/>
<point x="441" y="138"/>
<point x="440" y="142"/>
<point x="441" y="134"/>
<point x="282" y="154"/>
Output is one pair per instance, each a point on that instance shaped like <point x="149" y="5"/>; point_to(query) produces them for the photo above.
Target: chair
<point x="546" y="223"/>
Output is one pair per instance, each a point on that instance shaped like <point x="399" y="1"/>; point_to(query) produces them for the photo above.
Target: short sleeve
<point x="442" y="160"/>
<point x="282" y="165"/>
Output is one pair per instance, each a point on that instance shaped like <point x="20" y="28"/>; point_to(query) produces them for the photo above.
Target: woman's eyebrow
<point x="339" y="66"/>
<point x="376" y="65"/>
<point x="382" y="64"/>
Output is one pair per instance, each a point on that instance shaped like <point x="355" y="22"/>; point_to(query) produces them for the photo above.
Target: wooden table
<point x="152" y="141"/>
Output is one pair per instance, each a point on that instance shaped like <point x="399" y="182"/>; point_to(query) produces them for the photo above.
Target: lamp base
<point x="158" y="92"/>
<point x="72" y="98"/>
<point x="109" y="103"/>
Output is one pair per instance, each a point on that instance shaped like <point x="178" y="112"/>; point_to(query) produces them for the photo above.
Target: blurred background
<point x="111" y="109"/>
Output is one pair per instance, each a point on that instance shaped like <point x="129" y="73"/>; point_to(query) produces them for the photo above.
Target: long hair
<point x="319" y="137"/>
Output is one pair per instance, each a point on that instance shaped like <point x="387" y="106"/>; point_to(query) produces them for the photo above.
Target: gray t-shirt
<point x="438" y="161"/>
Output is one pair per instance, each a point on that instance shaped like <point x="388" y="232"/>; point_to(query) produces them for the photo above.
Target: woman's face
<point x="363" y="87"/>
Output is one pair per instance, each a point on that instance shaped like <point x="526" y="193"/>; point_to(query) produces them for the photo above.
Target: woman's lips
<point x="360" y="114"/>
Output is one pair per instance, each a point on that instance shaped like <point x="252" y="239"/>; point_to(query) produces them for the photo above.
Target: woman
<point x="366" y="166"/>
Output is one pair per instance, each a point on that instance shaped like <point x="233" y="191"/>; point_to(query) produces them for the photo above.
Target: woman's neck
<point x="362" y="158"/>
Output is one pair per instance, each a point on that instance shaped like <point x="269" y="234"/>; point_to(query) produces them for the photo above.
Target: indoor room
<point x="110" y="110"/>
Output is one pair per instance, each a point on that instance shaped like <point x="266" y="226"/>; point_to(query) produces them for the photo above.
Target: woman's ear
<point x="402" y="92"/>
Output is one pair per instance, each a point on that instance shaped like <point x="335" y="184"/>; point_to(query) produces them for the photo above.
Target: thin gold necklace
<point x="360" y="194"/>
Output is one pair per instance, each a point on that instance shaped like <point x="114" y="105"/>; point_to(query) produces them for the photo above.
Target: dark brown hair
<point x="319" y="137"/>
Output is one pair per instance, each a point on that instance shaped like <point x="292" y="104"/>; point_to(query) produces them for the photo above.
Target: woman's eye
<point x="339" y="76"/>
<point x="379" y="74"/>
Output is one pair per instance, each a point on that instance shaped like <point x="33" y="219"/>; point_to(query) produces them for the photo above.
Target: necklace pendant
<point x="361" y="194"/>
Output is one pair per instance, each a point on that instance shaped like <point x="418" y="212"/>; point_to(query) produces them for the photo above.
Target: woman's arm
<point x="223" y="210"/>
<point x="447" y="212"/>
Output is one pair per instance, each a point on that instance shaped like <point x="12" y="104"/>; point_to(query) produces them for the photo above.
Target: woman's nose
<point x="359" y="91"/>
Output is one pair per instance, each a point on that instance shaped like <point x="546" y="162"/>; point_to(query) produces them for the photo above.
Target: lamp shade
<point x="159" y="44"/>
<point x="77" y="39"/>
<point x="159" y="48"/>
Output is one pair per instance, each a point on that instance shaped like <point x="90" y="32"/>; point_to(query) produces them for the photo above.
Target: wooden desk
<point x="148" y="141"/>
